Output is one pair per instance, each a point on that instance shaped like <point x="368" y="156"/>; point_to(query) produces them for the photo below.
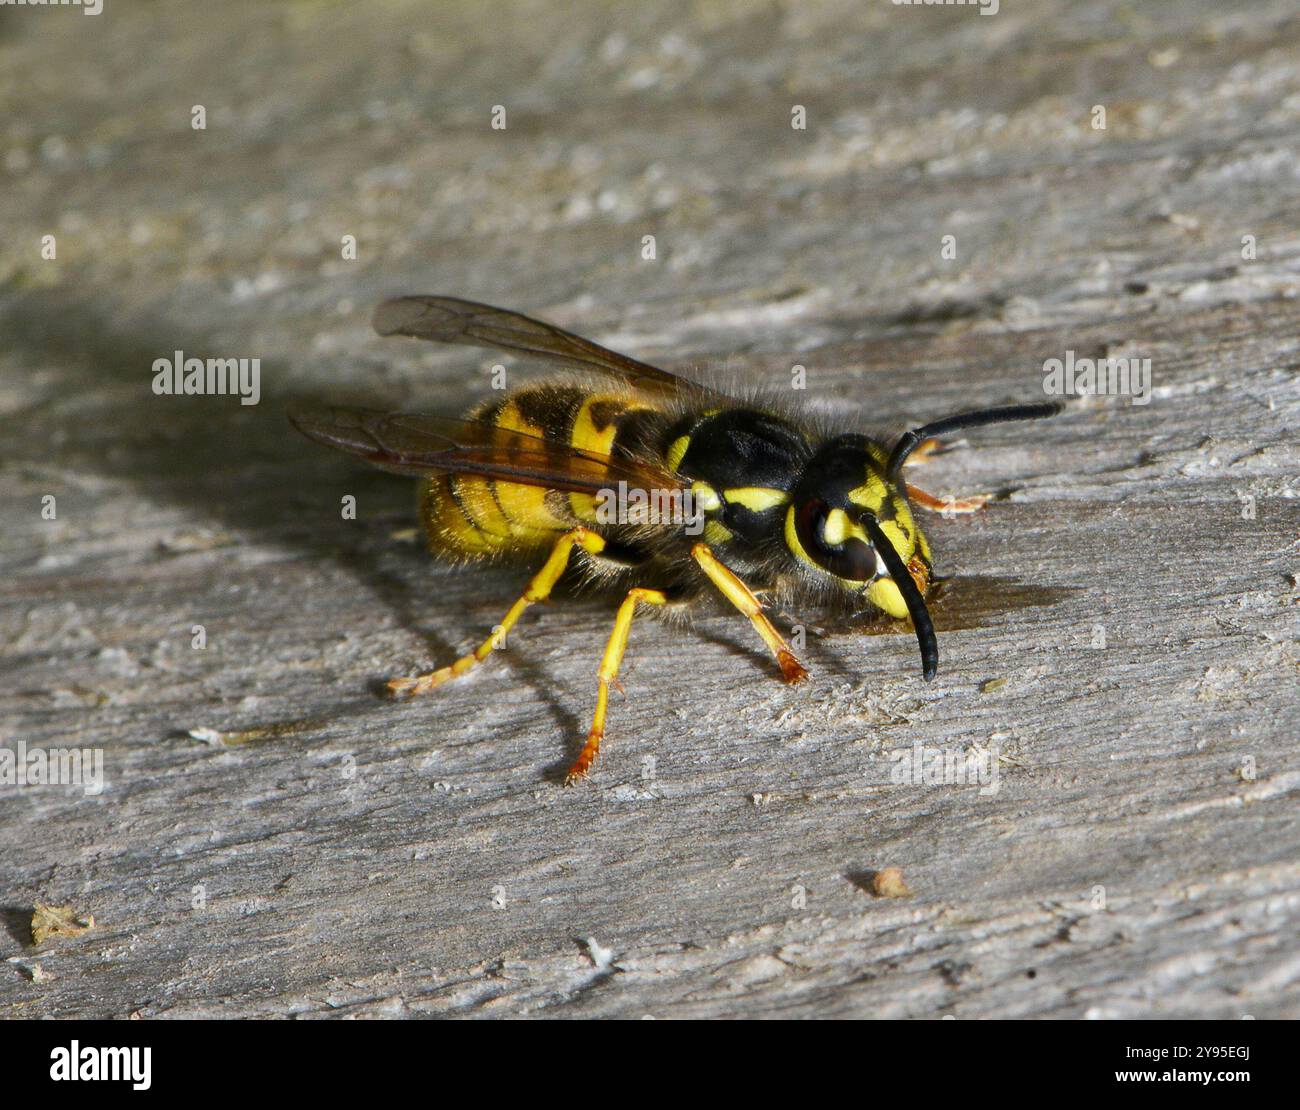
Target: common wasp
<point x="653" y="486"/>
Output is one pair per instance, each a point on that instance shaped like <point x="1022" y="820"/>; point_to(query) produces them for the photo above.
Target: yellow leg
<point x="608" y="672"/>
<point x="740" y="595"/>
<point x="538" y="589"/>
<point x="946" y="504"/>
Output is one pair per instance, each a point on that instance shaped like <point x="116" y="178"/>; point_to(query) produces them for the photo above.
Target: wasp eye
<point x="850" y="558"/>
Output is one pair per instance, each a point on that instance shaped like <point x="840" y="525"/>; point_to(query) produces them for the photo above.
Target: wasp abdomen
<point x="466" y="515"/>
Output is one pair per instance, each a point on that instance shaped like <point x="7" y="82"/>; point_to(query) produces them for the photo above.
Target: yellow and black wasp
<point x="664" y="487"/>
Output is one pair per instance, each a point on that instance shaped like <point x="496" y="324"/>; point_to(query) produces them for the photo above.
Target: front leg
<point x="922" y="454"/>
<point x="930" y="502"/>
<point x="742" y="597"/>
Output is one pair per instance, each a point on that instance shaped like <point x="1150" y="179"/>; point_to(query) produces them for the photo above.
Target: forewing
<point x="452" y="320"/>
<point x="419" y="444"/>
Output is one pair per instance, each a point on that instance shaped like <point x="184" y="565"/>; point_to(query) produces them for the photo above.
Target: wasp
<point x="717" y="494"/>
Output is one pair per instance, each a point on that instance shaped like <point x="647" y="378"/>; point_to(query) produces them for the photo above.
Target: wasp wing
<point x="452" y="320"/>
<point x="420" y="444"/>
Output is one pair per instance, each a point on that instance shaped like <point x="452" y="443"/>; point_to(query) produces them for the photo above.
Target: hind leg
<point x="538" y="589"/>
<point x="608" y="673"/>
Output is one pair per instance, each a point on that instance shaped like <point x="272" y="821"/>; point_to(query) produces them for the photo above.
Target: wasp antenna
<point x="911" y="597"/>
<point x="1004" y="413"/>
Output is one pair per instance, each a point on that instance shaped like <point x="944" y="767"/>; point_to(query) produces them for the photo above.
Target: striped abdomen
<point x="466" y="515"/>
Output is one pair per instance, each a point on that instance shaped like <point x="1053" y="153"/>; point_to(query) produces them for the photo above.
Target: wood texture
<point x="356" y="857"/>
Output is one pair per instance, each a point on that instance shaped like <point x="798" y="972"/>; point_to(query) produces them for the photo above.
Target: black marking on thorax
<point x="743" y="447"/>
<point x="740" y="448"/>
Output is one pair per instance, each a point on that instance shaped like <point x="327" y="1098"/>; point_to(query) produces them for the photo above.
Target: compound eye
<point x="810" y="527"/>
<point x="852" y="558"/>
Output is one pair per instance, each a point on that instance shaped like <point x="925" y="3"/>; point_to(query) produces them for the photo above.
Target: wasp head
<point x="850" y="523"/>
<point x="849" y="520"/>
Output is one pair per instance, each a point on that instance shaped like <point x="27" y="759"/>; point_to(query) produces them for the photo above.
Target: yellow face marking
<point x="797" y="549"/>
<point x="903" y="515"/>
<point x="883" y="594"/>
<point x="837" y="526"/>
<point x="895" y="536"/>
<point x="871" y="494"/>
<point x="840" y="528"/>
<point x="756" y="499"/>
<point x="792" y="539"/>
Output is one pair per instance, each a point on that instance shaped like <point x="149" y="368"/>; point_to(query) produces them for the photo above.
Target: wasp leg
<point x="742" y="597"/>
<point x="538" y="589"/>
<point x="924" y="500"/>
<point x="924" y="451"/>
<point x="608" y="673"/>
